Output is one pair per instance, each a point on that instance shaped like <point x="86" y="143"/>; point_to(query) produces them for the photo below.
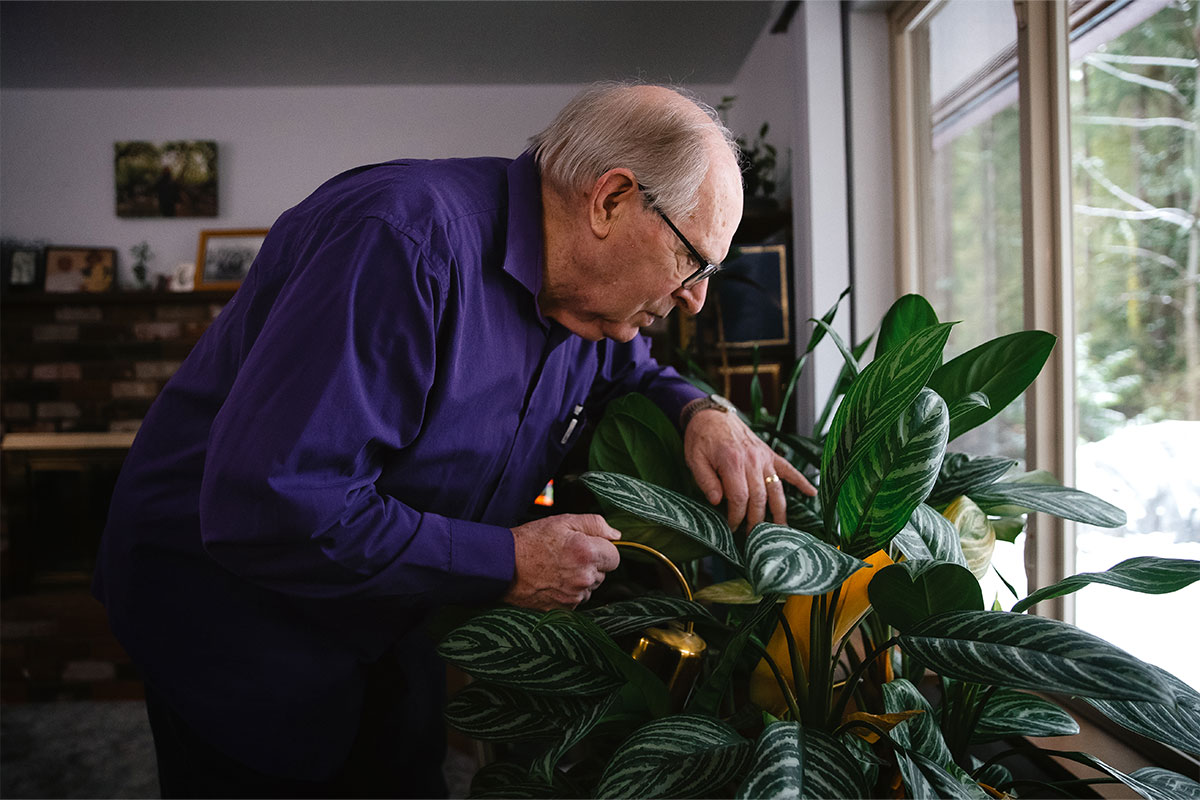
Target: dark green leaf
<point x="1165" y="784"/>
<point x="968" y="404"/>
<point x="665" y="507"/>
<point x="907" y="315"/>
<point x="494" y="713"/>
<point x="845" y="378"/>
<point x="680" y="756"/>
<point x="904" y="594"/>
<point x="830" y="770"/>
<point x="1057" y="500"/>
<point x="1145" y="574"/>
<point x="941" y="782"/>
<point x="1024" y="652"/>
<point x="631" y="616"/>
<point x="706" y="699"/>
<point x="1176" y="723"/>
<point x="507" y="646"/>
<point x="961" y="474"/>
<point x="1012" y="713"/>
<point x="782" y="560"/>
<point x="507" y="780"/>
<point x="1007" y="529"/>
<point x="636" y="438"/>
<point x="778" y="766"/>
<point x="1002" y="369"/>
<point x="572" y="731"/>
<point x="893" y="476"/>
<point x="673" y="544"/>
<point x="847" y="355"/>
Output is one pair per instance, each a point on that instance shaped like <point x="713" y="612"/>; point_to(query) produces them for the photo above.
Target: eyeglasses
<point x="706" y="270"/>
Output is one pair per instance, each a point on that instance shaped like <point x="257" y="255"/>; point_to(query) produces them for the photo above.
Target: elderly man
<point x="356" y="439"/>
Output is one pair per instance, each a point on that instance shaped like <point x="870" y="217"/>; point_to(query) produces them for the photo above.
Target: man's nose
<point x="691" y="299"/>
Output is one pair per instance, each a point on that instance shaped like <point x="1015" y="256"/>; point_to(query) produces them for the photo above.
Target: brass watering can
<point x="672" y="653"/>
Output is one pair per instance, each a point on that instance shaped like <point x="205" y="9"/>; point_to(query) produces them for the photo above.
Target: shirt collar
<point x="524" y="251"/>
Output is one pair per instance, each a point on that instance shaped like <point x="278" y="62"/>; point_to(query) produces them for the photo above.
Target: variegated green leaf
<point x="678" y="547"/>
<point x="894" y="476"/>
<point x="777" y="770"/>
<point x="666" y="508"/>
<point x="1145" y="574"/>
<point x="908" y="314"/>
<point x="681" y="756"/>
<point x="507" y="780"/>
<point x="1001" y="368"/>
<point x="494" y="713"/>
<point x="1012" y="713"/>
<point x="1024" y="652"/>
<point x="830" y="770"/>
<point x="975" y="534"/>
<point x="968" y="404"/>
<point x="941" y="783"/>
<point x="961" y="474"/>
<point x="904" y="594"/>
<point x="507" y="646"/>
<point x="736" y="592"/>
<point x="631" y="616"/>
<point x="1167" y="785"/>
<point x="572" y="730"/>
<point x="880" y="395"/>
<point x="920" y="734"/>
<point x="929" y="535"/>
<point x="782" y="560"/>
<point x="1176" y="724"/>
<point x="1061" y="501"/>
<point x="707" y="697"/>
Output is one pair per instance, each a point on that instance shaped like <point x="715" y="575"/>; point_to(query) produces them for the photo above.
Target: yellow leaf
<point x="884" y="721"/>
<point x="975" y="533"/>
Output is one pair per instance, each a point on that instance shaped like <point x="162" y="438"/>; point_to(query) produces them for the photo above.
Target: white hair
<point x="610" y="125"/>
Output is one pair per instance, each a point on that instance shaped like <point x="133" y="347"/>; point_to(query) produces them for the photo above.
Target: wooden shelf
<point x="116" y="298"/>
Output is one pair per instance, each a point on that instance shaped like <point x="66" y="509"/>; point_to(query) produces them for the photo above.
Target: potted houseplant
<point x="823" y="633"/>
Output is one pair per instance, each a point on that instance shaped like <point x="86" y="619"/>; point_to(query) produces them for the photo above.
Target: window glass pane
<point x="1136" y="246"/>
<point x="975" y="274"/>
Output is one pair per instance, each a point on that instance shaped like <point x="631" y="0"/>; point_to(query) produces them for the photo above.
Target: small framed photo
<point x="224" y="257"/>
<point x="22" y="269"/>
<point x="752" y="296"/>
<point x="166" y="179"/>
<point x="80" y="269"/>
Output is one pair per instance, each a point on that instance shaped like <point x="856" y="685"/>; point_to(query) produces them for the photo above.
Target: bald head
<point x="668" y="140"/>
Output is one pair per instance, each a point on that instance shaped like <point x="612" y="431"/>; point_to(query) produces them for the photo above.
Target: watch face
<point x="722" y="402"/>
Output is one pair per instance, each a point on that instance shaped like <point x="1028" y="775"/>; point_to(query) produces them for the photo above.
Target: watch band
<point x="713" y="401"/>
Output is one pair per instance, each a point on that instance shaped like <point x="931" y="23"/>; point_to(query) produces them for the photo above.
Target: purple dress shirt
<point x="346" y="448"/>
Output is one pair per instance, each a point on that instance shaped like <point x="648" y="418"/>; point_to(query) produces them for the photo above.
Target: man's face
<point x="644" y="263"/>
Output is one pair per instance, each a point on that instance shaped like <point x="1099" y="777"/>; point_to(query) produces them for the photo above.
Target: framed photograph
<point x="224" y="257"/>
<point x="21" y="269"/>
<point x="166" y="179"/>
<point x="752" y="297"/>
<point x="737" y="379"/>
<point x="80" y="269"/>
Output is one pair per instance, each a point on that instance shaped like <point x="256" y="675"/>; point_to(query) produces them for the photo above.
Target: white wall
<point x="275" y="145"/>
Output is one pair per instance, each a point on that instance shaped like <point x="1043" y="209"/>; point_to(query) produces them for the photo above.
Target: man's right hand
<point x="561" y="560"/>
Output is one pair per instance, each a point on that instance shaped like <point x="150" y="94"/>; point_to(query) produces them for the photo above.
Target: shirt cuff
<point x="482" y="560"/>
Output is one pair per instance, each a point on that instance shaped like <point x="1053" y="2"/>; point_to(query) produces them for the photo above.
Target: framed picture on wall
<point x="80" y="269"/>
<point x="224" y="256"/>
<point x="21" y="269"/>
<point x="752" y="297"/>
<point x="166" y="179"/>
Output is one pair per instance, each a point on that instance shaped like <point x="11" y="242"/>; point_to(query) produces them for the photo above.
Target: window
<point x="989" y="236"/>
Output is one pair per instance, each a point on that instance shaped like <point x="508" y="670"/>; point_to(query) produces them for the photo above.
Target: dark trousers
<point x="398" y="751"/>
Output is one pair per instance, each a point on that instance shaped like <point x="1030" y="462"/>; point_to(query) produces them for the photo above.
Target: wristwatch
<point x="713" y="401"/>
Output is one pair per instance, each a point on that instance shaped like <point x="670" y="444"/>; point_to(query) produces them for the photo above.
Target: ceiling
<point x="285" y="43"/>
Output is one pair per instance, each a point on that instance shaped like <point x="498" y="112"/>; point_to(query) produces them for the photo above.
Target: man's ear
<point x="613" y="194"/>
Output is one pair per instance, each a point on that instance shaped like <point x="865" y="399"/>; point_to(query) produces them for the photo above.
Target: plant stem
<point x="799" y="676"/>
<point x="782" y="681"/>
<point x="857" y="674"/>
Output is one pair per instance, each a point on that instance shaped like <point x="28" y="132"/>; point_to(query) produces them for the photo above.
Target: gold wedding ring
<point x="771" y="479"/>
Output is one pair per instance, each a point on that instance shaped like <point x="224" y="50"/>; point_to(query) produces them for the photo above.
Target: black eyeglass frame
<point x="707" y="270"/>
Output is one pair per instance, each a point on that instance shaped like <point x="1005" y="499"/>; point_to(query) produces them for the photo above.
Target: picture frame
<point x="22" y="269"/>
<point x="79" y="269"/>
<point x="736" y="381"/>
<point x="165" y="179"/>
<point x="223" y="257"/>
<point x="752" y="297"/>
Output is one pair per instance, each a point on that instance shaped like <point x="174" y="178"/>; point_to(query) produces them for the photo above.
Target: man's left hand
<point x="730" y="462"/>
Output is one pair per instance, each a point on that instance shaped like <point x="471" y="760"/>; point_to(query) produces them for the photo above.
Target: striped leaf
<point x="878" y="397"/>
<point x="975" y="534"/>
<point x="830" y="770"/>
<point x="681" y="756"/>
<point x="1012" y="713"/>
<point x="666" y="508"/>
<point x="507" y="646"/>
<point x="961" y="474"/>
<point x="1165" y="784"/>
<point x="494" y="713"/>
<point x="1024" y="652"/>
<point x="965" y="405"/>
<point x="909" y="314"/>
<point x="929" y="535"/>
<point x="778" y="768"/>
<point x="630" y="616"/>
<point x="1061" y="501"/>
<point x="1176" y="724"/>
<point x="940" y="781"/>
<point x="1001" y="369"/>
<point x="904" y="594"/>
<point x="1145" y="574"/>
<point x="572" y="731"/>
<point x="782" y="560"/>
<point x="894" y="477"/>
<point x="507" y="780"/>
<point x="921" y="734"/>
